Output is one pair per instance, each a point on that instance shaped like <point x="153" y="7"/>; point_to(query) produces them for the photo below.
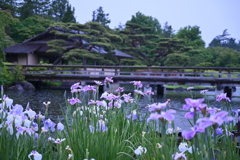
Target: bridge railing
<point x="131" y="71"/>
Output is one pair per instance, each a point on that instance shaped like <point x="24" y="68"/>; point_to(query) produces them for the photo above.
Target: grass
<point x="187" y="86"/>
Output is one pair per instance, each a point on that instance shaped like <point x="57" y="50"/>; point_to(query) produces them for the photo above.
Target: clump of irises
<point x="113" y="126"/>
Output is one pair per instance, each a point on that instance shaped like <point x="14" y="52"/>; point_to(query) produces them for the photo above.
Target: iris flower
<point x="133" y="115"/>
<point x="35" y="154"/>
<point x="74" y="101"/>
<point x="164" y="115"/>
<point x="107" y="79"/>
<point x="192" y="103"/>
<point x="190" y="134"/>
<point x="215" y="119"/>
<point x="140" y="150"/>
<point x="60" y="126"/>
<point x="137" y="83"/>
<point x="222" y="97"/>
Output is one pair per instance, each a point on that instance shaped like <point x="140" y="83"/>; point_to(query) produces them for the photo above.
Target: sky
<point x="212" y="16"/>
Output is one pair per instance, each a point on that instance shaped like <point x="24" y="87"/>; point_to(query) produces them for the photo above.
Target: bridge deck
<point x="160" y="75"/>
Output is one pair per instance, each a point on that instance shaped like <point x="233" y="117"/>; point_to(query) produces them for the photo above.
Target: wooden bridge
<point x="146" y="74"/>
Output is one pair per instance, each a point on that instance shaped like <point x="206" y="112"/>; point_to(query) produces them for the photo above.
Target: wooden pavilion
<point x="32" y="50"/>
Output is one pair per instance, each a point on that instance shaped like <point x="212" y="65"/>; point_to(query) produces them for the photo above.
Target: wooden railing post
<point x="116" y="71"/>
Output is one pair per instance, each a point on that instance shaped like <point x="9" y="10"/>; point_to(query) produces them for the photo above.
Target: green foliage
<point x="29" y="28"/>
<point x="6" y="19"/>
<point x="192" y="36"/>
<point x="149" y="23"/>
<point x="68" y="15"/>
<point x="224" y="41"/>
<point x="17" y="72"/>
<point x="57" y="46"/>
<point x="6" y="76"/>
<point x="90" y="46"/>
<point x="9" y="5"/>
<point x="204" y="64"/>
<point x="168" y="31"/>
<point x="222" y="57"/>
<point x="175" y="59"/>
<point x="9" y="76"/>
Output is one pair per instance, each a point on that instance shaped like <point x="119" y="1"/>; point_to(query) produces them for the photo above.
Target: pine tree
<point x="68" y="15"/>
<point x="100" y="17"/>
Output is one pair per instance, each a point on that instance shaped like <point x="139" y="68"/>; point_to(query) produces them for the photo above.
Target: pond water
<point x="57" y="99"/>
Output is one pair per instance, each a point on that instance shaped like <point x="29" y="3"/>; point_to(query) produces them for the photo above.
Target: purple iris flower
<point x="39" y="116"/>
<point x="139" y="92"/>
<point x="120" y="89"/>
<point x="189" y="115"/>
<point x="157" y="106"/>
<point x="203" y="91"/>
<point x="190" y="134"/>
<point x="34" y="126"/>
<point x="49" y="124"/>
<point x="98" y="103"/>
<point x="164" y="115"/>
<point x="192" y="103"/>
<point x="110" y="96"/>
<point x="107" y="79"/>
<point x="219" y="131"/>
<point x="128" y="98"/>
<point x="215" y="119"/>
<point x="74" y="100"/>
<point x="89" y="88"/>
<point x="98" y="83"/>
<point x="148" y="93"/>
<point x="60" y="126"/>
<point x="101" y="125"/>
<point x="22" y="130"/>
<point x="31" y="113"/>
<point x="75" y="86"/>
<point x="133" y="115"/>
<point x="17" y="110"/>
<point x="137" y="83"/>
<point x="222" y="97"/>
<point x="179" y="156"/>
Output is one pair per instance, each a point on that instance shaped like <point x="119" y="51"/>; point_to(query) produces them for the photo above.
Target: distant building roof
<point x="122" y="54"/>
<point x="23" y="48"/>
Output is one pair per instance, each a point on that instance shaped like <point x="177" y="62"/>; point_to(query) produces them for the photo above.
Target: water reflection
<point x="57" y="98"/>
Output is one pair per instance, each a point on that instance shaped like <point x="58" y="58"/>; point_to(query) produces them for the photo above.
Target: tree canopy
<point x="92" y="41"/>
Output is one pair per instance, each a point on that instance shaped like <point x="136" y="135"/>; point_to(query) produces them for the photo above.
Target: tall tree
<point x="9" y="5"/>
<point x="192" y="36"/>
<point x="26" y="9"/>
<point x="153" y="25"/>
<point x="100" y="17"/>
<point x="68" y="15"/>
<point x="61" y="11"/>
<point x="150" y="49"/>
<point x="168" y="31"/>
<point x="6" y="19"/>
<point x="29" y="27"/>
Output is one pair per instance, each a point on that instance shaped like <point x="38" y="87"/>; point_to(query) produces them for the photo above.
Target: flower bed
<point x="114" y="127"/>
